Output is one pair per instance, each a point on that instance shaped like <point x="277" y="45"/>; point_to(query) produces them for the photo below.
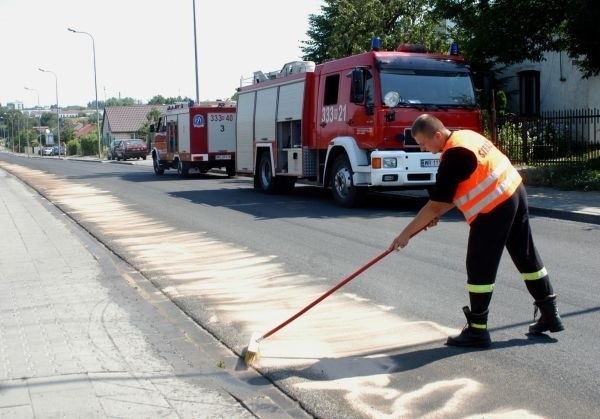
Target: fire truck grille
<point x="409" y="142"/>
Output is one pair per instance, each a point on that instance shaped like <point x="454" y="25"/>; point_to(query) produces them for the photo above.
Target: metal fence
<point x="569" y="137"/>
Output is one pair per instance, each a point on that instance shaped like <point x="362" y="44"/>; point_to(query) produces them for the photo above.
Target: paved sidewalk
<point x="569" y="205"/>
<point x="77" y="340"/>
<point x="549" y="202"/>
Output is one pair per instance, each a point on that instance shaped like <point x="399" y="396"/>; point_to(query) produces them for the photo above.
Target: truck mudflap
<point x="401" y="169"/>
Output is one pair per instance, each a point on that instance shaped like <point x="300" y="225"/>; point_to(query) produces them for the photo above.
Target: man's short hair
<point x="427" y="125"/>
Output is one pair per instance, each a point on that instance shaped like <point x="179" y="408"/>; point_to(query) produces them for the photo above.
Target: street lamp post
<point x="20" y="133"/>
<point x="12" y="134"/>
<point x="95" y="86"/>
<point x="40" y="116"/>
<point x="196" y="53"/>
<point x="57" y="111"/>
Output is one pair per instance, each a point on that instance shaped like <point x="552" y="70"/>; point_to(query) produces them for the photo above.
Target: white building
<point x="17" y="105"/>
<point x="550" y="85"/>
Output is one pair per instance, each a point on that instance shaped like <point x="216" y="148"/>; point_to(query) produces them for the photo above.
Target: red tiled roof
<point x="128" y="118"/>
<point x="86" y="129"/>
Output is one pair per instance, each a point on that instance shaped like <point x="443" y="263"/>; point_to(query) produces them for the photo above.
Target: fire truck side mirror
<point x="357" y="90"/>
<point x="151" y="127"/>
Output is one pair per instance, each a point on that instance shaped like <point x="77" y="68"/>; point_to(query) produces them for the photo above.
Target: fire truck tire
<point x="183" y="169"/>
<point x="230" y="172"/>
<point x="286" y="184"/>
<point x="342" y="186"/>
<point x="264" y="174"/>
<point x="157" y="168"/>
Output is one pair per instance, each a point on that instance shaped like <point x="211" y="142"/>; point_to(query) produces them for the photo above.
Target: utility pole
<point x="196" y="54"/>
<point x="40" y="118"/>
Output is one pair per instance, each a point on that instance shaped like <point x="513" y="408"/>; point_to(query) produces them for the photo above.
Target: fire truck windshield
<point x="418" y="88"/>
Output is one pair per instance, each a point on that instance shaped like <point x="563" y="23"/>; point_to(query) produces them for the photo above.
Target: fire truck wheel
<point x="342" y="186"/>
<point x="182" y="169"/>
<point x="266" y="180"/>
<point x="230" y="171"/>
<point x="287" y="184"/>
<point x="157" y="169"/>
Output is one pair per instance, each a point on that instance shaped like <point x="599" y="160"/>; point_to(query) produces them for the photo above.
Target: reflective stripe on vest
<point x="493" y="181"/>
<point x="510" y="183"/>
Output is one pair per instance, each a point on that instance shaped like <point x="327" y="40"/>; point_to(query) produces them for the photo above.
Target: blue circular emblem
<point x="198" y="121"/>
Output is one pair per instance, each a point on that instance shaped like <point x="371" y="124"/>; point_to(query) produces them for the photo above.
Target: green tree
<point x="91" y="119"/>
<point x="15" y="126"/>
<point x="67" y="130"/>
<point x="161" y="100"/>
<point x="151" y="118"/>
<point x="511" y="31"/>
<point x="582" y="35"/>
<point x="49" y="119"/>
<point x="157" y="100"/>
<point x="92" y="104"/>
<point x="127" y="101"/>
<point x="347" y="27"/>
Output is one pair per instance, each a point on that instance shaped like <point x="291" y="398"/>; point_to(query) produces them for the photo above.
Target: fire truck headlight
<point x="390" y="163"/>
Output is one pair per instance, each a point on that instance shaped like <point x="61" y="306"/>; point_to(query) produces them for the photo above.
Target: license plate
<point x="223" y="157"/>
<point x="430" y="162"/>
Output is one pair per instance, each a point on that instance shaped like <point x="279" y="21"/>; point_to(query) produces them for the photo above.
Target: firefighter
<point x="480" y="181"/>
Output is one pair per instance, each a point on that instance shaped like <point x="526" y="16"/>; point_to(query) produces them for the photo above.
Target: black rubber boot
<point x="475" y="333"/>
<point x="549" y="319"/>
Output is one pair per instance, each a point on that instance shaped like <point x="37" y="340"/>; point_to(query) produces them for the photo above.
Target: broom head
<point x="252" y="351"/>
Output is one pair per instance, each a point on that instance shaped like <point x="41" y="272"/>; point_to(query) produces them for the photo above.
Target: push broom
<point x="252" y="351"/>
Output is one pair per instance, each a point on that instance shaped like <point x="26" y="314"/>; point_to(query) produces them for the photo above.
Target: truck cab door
<point x="361" y="107"/>
<point x="172" y="143"/>
<point x="346" y="106"/>
<point x="332" y="108"/>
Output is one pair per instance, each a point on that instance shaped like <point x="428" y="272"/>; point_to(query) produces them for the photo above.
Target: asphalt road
<point x="239" y="261"/>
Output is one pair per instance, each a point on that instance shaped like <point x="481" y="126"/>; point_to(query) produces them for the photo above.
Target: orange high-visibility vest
<point x="493" y="181"/>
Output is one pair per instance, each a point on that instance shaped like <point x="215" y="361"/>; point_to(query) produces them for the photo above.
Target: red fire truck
<point x="345" y="124"/>
<point x="197" y="138"/>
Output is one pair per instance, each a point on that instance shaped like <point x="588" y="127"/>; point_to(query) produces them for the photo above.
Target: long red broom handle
<point x="331" y="291"/>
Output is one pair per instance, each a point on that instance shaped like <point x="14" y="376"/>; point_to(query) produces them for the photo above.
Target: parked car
<point x="56" y="152"/>
<point x="128" y="149"/>
<point x="47" y="150"/>
<point x="110" y="153"/>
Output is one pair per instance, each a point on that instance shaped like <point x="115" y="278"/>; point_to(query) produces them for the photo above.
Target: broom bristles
<point x="252" y="352"/>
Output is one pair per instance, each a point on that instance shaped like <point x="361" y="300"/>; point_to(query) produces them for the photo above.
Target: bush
<point x="89" y="146"/>
<point x="585" y="178"/>
<point x="548" y="141"/>
<point x="72" y="147"/>
<point x="510" y="140"/>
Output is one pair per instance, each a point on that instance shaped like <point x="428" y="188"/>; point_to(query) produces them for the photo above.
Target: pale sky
<point x="143" y="47"/>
